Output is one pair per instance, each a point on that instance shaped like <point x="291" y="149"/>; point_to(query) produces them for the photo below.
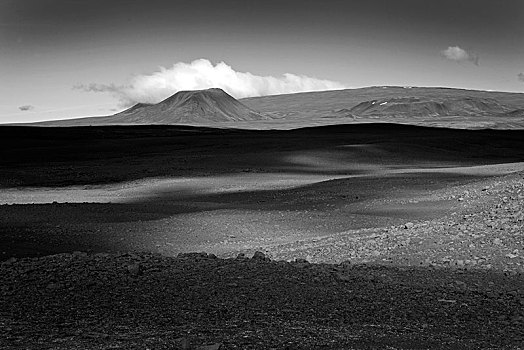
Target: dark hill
<point x="185" y="107"/>
<point x="211" y="105"/>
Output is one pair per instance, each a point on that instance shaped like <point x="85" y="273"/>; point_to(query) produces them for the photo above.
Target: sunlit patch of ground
<point x="222" y="214"/>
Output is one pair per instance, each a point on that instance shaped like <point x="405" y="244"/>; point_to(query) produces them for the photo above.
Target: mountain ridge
<point x="209" y="107"/>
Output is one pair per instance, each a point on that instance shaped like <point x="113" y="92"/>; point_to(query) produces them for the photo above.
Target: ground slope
<point x="455" y="283"/>
<point x="443" y="279"/>
<point x="178" y="189"/>
<point x="32" y="156"/>
<point x="143" y="301"/>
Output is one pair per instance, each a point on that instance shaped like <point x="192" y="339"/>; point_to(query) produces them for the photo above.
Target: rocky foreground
<point x="484" y="229"/>
<point x="452" y="283"/>
<point x="144" y="301"/>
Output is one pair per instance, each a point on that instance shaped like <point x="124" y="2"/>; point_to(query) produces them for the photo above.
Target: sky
<point x="69" y="58"/>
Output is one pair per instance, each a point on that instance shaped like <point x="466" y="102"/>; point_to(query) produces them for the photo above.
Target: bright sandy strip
<point x="184" y="186"/>
<point x="188" y="186"/>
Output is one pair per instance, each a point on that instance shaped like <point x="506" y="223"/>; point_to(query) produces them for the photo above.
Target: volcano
<point x="211" y="105"/>
<point x="185" y="107"/>
<point x="445" y="107"/>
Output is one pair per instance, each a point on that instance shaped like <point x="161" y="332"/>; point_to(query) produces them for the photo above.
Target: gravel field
<point x="451" y="283"/>
<point x="325" y="238"/>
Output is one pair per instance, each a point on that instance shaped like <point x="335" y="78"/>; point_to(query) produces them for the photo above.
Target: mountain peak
<point x="181" y="95"/>
<point x="190" y="106"/>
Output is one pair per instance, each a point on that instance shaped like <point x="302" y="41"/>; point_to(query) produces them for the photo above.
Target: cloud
<point x="97" y="87"/>
<point x="26" y="108"/>
<point x="520" y="77"/>
<point x="202" y="74"/>
<point x="457" y="54"/>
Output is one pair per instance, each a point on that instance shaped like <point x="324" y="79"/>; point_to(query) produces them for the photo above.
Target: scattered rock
<point x="134" y="269"/>
<point x="182" y="344"/>
<point x="301" y="263"/>
<point x="10" y="261"/>
<point x="460" y="284"/>
<point x="52" y="286"/>
<point x="343" y="277"/>
<point x="77" y="253"/>
<point x="259" y="256"/>
<point x="216" y="346"/>
<point x="193" y="256"/>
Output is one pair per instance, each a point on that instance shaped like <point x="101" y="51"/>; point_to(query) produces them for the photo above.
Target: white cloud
<point x="202" y="74"/>
<point x="520" y="77"/>
<point x="26" y="108"/>
<point x="457" y="54"/>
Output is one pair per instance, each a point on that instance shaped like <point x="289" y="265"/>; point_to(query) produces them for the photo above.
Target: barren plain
<point x="368" y="236"/>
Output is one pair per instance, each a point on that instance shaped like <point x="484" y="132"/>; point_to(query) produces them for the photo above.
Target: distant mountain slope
<point x="390" y="101"/>
<point x="457" y="108"/>
<point x="185" y="107"/>
<point x="517" y="113"/>
<point x="421" y="107"/>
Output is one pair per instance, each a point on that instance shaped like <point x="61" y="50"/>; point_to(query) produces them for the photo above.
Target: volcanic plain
<point x="350" y="236"/>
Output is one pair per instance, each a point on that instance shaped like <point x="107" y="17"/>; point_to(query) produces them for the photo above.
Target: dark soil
<point x="456" y="282"/>
<point x="438" y="262"/>
<point x="138" y="301"/>
<point x="40" y="156"/>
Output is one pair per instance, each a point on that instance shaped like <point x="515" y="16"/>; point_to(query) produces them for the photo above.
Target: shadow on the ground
<point x="36" y="156"/>
<point x="177" y="218"/>
<point x="134" y="300"/>
<point x="100" y="155"/>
